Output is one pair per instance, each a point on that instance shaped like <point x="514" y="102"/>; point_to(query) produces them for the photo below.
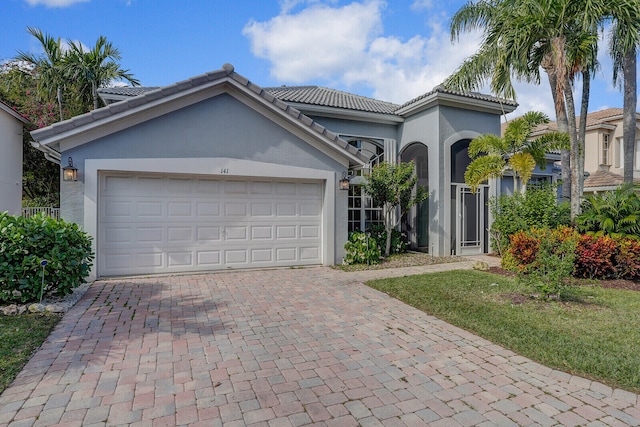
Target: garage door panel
<point x="154" y="224"/>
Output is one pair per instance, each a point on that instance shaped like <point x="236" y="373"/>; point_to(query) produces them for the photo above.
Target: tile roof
<point x="317" y="95"/>
<point x="602" y="178"/>
<point x="149" y="96"/>
<point x="326" y="97"/>
<point x="311" y="95"/>
<point x="472" y="95"/>
<point x="127" y="90"/>
<point x="593" y="119"/>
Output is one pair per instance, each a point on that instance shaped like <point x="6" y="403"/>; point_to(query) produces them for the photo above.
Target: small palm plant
<point x="615" y="213"/>
<point x="516" y="151"/>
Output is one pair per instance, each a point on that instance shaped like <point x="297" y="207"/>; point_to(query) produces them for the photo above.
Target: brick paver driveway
<point x="285" y="347"/>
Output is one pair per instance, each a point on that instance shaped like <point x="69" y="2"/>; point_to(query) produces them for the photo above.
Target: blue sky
<point x="390" y="50"/>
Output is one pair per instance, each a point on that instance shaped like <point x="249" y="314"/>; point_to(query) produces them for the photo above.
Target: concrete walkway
<point x="286" y="347"/>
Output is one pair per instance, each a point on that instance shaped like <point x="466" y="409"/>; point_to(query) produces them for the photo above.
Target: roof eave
<point x="454" y="100"/>
<point x="13" y="113"/>
<point x="341" y="113"/>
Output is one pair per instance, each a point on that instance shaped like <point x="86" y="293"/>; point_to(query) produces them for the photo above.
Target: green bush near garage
<point x="26" y="242"/>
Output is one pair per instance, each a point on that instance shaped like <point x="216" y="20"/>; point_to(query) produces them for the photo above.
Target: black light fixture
<point x="343" y="184"/>
<point x="70" y="173"/>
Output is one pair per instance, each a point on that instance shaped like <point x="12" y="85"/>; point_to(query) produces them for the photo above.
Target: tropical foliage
<point x="538" y="207"/>
<point x="393" y="187"/>
<point x="560" y="37"/>
<point x="59" y="83"/>
<point x="517" y="151"/>
<point x="615" y="213"/>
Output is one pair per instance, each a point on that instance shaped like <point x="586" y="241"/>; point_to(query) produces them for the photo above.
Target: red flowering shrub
<point x="595" y="257"/>
<point x="627" y="259"/>
<point x="524" y="247"/>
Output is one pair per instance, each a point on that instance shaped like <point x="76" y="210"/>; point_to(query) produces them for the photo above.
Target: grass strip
<point x="594" y="334"/>
<point x="20" y="336"/>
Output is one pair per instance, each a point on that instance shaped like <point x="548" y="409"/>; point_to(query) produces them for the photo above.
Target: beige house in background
<point x="11" y="125"/>
<point x="604" y="150"/>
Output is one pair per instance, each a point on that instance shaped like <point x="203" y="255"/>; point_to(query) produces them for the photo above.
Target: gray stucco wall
<point x="218" y="127"/>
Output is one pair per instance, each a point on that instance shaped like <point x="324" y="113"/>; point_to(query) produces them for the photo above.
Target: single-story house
<point x="11" y="130"/>
<point x="216" y="172"/>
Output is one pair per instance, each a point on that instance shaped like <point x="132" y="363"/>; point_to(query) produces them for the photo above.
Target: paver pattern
<point x="286" y="347"/>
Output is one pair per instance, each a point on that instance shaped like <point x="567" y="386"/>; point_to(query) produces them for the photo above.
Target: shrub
<point x="627" y="259"/>
<point x="537" y="208"/>
<point x="553" y="261"/>
<point x="399" y="242"/>
<point x="614" y="213"/>
<point x="524" y="247"/>
<point x="595" y="257"/>
<point x="25" y="242"/>
<point x="361" y="248"/>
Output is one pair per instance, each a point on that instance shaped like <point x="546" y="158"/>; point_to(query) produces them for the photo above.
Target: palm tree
<point x="96" y="67"/>
<point x="516" y="151"/>
<point x="520" y="37"/>
<point x="625" y="38"/>
<point x="48" y="67"/>
<point x="615" y="213"/>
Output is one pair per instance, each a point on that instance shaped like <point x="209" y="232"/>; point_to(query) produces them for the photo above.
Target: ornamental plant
<point x="595" y="257"/>
<point x="552" y="263"/>
<point x="399" y="242"/>
<point x="361" y="248"/>
<point x="627" y="259"/>
<point x="26" y="242"/>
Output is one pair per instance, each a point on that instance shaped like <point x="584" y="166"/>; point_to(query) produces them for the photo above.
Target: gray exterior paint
<point x="222" y="115"/>
<point x="220" y="127"/>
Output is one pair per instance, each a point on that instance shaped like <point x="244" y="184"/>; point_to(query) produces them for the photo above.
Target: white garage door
<point x="163" y="224"/>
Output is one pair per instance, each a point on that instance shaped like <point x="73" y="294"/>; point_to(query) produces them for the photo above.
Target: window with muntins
<point x="605" y="150"/>
<point x="362" y="213"/>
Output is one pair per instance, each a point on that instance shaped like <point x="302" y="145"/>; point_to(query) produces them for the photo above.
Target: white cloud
<point x="54" y="3"/>
<point x="344" y="47"/>
<point x="422" y="4"/>
<point x="320" y="42"/>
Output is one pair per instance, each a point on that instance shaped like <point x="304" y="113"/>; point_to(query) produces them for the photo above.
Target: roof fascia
<point x="452" y="100"/>
<point x="13" y="113"/>
<point x="341" y="113"/>
<point x="125" y="117"/>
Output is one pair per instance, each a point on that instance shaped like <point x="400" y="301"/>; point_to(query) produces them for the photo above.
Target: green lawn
<point x="20" y="336"/>
<point x="596" y="334"/>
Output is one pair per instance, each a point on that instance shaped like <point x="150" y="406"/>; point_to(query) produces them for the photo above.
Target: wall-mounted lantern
<point x="70" y="173"/>
<point x="343" y="184"/>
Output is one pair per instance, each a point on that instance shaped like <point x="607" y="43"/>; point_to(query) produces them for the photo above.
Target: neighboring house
<point x="11" y="128"/>
<point x="604" y="150"/>
<point x="215" y="172"/>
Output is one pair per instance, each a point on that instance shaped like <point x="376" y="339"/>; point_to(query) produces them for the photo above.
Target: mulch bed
<point x="629" y="285"/>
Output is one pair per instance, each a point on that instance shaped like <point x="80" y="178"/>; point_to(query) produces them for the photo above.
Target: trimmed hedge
<point x="26" y="242"/>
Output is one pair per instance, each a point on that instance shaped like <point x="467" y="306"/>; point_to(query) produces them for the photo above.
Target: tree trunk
<point x="563" y="126"/>
<point x="629" y="114"/>
<point x="94" y="94"/>
<point x="582" y="127"/>
<point x="389" y="226"/>
<point x="575" y="149"/>
<point x="59" y="96"/>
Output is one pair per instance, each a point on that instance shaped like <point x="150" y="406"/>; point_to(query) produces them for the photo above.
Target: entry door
<point x="470" y="214"/>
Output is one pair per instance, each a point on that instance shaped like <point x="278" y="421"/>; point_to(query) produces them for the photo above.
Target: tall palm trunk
<point x="575" y="148"/>
<point x="582" y="127"/>
<point x="563" y="126"/>
<point x="629" y="112"/>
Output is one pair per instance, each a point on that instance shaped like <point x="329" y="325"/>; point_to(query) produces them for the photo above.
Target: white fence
<point x="52" y="212"/>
